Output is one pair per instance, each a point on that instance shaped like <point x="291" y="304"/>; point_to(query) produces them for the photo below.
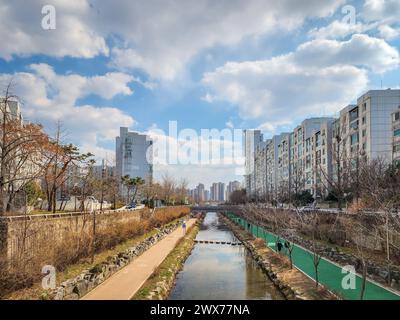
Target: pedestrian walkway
<point x="127" y="281"/>
<point x="330" y="273"/>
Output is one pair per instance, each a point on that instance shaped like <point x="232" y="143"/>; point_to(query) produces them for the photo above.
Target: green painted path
<point x="330" y="274"/>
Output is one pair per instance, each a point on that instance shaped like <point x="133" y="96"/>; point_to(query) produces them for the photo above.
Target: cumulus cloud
<point x="48" y="97"/>
<point x="321" y="75"/>
<point x="162" y="38"/>
<point x="22" y="33"/>
<point x="381" y="10"/>
<point x="379" y="17"/>
<point x="157" y="36"/>
<point x="215" y="155"/>
<point x="361" y="50"/>
<point x="339" y="30"/>
<point x="389" y="33"/>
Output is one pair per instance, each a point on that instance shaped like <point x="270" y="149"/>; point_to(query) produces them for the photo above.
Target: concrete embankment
<point x="293" y="284"/>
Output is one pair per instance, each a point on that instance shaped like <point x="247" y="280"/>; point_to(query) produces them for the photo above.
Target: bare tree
<point x="181" y="190"/>
<point x="168" y="185"/>
<point x="20" y="145"/>
<point x="338" y="183"/>
<point x="379" y="191"/>
<point x="238" y="197"/>
<point x="57" y="159"/>
<point x="312" y="220"/>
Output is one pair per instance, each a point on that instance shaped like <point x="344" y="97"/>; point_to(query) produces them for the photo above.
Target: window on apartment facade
<point x="354" y="138"/>
<point x="318" y="139"/>
<point x="396" y="148"/>
<point x="354" y="125"/>
<point x="364" y="106"/>
<point x="353" y="114"/>
<point x="396" y="133"/>
<point x="364" y="132"/>
<point x="364" y="120"/>
<point x="308" y="162"/>
<point x="308" y="143"/>
<point x="396" y="116"/>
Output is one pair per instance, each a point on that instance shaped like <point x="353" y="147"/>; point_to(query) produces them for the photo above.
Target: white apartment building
<point x="366" y="130"/>
<point x="304" y="159"/>
<point x="374" y="115"/>
<point x="251" y="138"/>
<point x="322" y="158"/>
<point x="283" y="166"/>
<point x="272" y="167"/>
<point x="131" y="155"/>
<point x="260" y="167"/>
<point x="396" y="137"/>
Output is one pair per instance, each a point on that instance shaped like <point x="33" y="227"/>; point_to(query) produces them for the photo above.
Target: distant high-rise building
<point x="131" y="155"/>
<point x="200" y="197"/>
<point x="206" y="195"/>
<point x="217" y="192"/>
<point x="231" y="187"/>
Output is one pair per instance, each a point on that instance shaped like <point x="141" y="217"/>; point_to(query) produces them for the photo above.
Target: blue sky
<point x="206" y="64"/>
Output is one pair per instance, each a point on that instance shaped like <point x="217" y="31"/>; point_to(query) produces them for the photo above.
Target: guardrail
<point x="45" y="216"/>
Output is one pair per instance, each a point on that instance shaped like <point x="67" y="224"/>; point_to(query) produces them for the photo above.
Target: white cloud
<point x="157" y="36"/>
<point x="22" y="34"/>
<point x="229" y="124"/>
<point x="161" y="38"/>
<point x="380" y="17"/>
<point x="381" y="10"/>
<point x="389" y="33"/>
<point x="339" y="30"/>
<point x="48" y="97"/>
<point x="361" y="50"/>
<point x="321" y="76"/>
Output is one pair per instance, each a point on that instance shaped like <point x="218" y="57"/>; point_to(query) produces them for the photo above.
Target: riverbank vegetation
<point x="75" y="252"/>
<point x="368" y="241"/>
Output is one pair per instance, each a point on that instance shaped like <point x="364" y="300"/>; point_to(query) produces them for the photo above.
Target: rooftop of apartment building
<point x="379" y="93"/>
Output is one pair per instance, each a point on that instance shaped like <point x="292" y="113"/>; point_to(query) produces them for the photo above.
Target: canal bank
<point x="331" y="275"/>
<point x="292" y="283"/>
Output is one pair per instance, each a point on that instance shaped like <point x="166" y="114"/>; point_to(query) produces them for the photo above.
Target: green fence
<point x="329" y="273"/>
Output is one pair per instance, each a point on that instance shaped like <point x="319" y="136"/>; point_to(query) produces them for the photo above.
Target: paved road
<point x="127" y="281"/>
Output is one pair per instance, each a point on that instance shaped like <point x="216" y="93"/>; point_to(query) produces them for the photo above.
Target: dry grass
<point x="76" y="245"/>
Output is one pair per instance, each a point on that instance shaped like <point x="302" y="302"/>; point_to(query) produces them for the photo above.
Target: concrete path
<point x="127" y="281"/>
